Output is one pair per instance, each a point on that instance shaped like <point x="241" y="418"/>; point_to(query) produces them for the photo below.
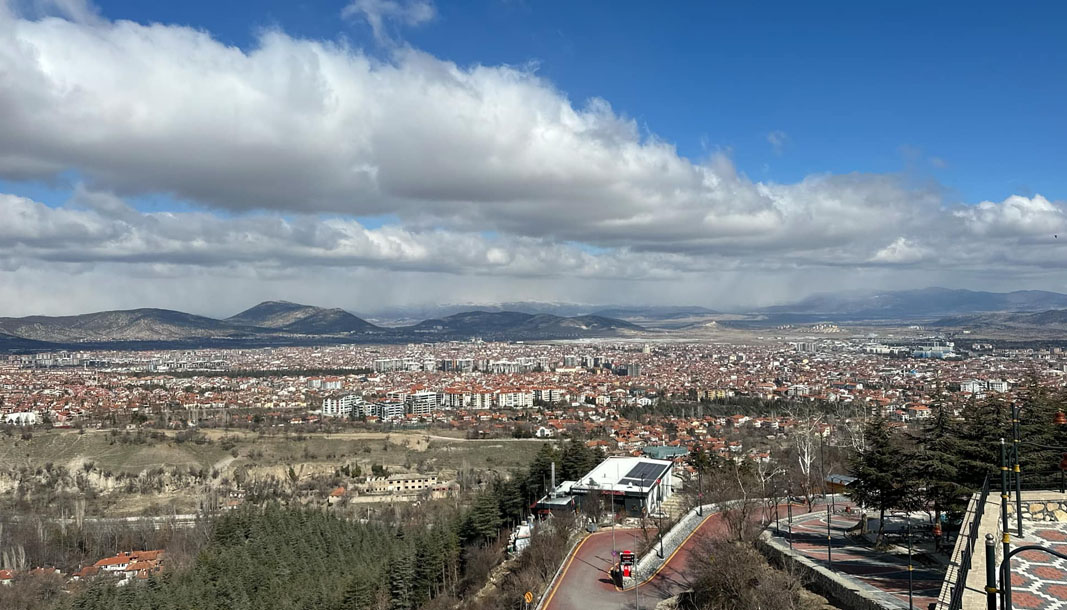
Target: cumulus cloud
<point x="488" y="170"/>
<point x="98" y="228"/>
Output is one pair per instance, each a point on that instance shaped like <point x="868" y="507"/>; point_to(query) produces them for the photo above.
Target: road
<point x="586" y="584"/>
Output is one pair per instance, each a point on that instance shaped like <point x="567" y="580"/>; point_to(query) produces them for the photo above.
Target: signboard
<point x="528" y="598"/>
<point x="627" y="558"/>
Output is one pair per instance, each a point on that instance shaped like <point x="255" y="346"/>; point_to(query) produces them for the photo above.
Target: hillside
<point x="922" y="303"/>
<point x="519" y="325"/>
<point x="125" y="325"/>
<point x="1055" y="319"/>
<point x="297" y="318"/>
<point x="283" y="323"/>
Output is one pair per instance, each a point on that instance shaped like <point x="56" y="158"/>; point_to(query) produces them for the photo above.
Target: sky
<point x="370" y="154"/>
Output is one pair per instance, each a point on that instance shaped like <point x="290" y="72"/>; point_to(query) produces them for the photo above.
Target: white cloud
<point x="1017" y="216"/>
<point x="777" y="139"/>
<point x="490" y="170"/>
<point x="380" y="13"/>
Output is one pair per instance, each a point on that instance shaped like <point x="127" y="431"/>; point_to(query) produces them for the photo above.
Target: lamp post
<point x="637" y="581"/>
<point x="829" y="543"/>
<point x="1005" y="593"/>
<point x="789" y="509"/>
<point x="909" y="563"/>
<point x="1018" y="471"/>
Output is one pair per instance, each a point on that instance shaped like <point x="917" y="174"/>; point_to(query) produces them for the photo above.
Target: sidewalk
<point x="884" y="571"/>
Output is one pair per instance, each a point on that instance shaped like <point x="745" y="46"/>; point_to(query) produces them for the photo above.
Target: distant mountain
<point x="518" y="325"/>
<point x="922" y="303"/>
<point x="1054" y="319"/>
<point x="284" y="323"/>
<point x="128" y="325"/>
<point x="655" y="312"/>
<point x="303" y="319"/>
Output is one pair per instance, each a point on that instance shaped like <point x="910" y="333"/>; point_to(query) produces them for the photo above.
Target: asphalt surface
<point x="585" y="583"/>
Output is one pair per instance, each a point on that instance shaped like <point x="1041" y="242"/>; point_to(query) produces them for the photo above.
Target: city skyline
<point x="381" y="153"/>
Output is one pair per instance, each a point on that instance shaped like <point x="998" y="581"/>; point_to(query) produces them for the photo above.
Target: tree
<point x="361" y="594"/>
<point x="884" y="472"/>
<point x="483" y="520"/>
<point x="734" y="576"/>
<point x="402" y="575"/>
<point x="937" y="459"/>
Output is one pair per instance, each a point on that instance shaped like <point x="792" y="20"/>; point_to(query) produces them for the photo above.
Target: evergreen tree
<point x="937" y="461"/>
<point x="361" y="593"/>
<point x="401" y="576"/>
<point x="483" y="520"/>
<point x="885" y="477"/>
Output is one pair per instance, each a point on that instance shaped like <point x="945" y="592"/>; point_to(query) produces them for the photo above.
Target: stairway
<point x="674" y="506"/>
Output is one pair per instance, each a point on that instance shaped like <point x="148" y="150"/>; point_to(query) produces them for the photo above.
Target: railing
<point x="956" y="600"/>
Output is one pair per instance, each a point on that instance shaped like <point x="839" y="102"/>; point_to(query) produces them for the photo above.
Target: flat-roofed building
<point x="639" y="484"/>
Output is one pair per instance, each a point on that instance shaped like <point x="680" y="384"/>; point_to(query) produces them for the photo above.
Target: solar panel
<point x="644" y="474"/>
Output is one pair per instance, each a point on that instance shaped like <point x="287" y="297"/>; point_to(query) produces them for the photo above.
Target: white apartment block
<point x="422" y="402"/>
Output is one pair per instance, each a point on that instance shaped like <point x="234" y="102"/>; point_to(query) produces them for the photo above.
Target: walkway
<point x="585" y="583"/>
<point x="1039" y="580"/>
<point x="884" y="571"/>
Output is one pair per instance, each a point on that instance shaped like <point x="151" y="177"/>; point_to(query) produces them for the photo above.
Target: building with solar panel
<point x="638" y="484"/>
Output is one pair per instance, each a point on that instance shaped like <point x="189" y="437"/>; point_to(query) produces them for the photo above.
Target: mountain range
<point x="925" y="303"/>
<point x="282" y="322"/>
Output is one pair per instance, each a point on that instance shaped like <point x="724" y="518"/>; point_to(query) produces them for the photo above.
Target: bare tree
<point x="806" y="432"/>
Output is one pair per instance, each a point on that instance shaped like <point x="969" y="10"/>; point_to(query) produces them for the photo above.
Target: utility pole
<point x="637" y="581"/>
<point x="910" y="606"/>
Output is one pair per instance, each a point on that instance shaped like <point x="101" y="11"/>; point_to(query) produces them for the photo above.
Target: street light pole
<point x="909" y="563"/>
<point x="1018" y="471"/>
<point x="829" y="543"/>
<point x="637" y="581"/>
<point x="789" y="508"/>
<point x="1006" y="540"/>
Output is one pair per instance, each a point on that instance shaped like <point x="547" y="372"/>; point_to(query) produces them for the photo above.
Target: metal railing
<point x="956" y="600"/>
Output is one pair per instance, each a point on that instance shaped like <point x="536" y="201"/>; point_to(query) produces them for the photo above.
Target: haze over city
<point x="383" y="153"/>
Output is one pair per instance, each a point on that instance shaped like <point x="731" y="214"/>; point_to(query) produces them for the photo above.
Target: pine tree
<point x="884" y="472"/>
<point x="361" y="593"/>
<point x="937" y="462"/>
<point x="402" y="576"/>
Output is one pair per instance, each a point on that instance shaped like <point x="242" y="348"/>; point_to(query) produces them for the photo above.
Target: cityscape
<point x="512" y="305"/>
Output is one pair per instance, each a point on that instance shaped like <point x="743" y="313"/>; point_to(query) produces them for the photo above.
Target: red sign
<point x="627" y="558"/>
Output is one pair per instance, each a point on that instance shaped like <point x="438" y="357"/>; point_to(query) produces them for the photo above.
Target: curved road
<point x="585" y="583"/>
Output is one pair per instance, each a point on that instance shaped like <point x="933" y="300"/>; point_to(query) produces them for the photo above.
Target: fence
<point x="956" y="600"/>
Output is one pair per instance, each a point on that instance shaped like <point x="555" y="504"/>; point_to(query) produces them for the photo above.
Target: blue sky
<point x="971" y="93"/>
<point x="374" y="153"/>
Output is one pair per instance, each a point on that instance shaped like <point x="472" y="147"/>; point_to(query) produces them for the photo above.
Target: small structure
<point x="639" y="485"/>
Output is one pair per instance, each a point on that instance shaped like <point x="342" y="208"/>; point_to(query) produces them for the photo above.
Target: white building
<point x="638" y="485"/>
<point x="341" y="406"/>
<point x="422" y="402"/>
<point x="21" y="418"/>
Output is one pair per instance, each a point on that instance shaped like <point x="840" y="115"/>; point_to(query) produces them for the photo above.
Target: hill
<point x="303" y="319"/>
<point x="124" y="325"/>
<point x="282" y="323"/>
<point x="922" y="303"/>
<point x="518" y="325"/>
<point x="1054" y="319"/>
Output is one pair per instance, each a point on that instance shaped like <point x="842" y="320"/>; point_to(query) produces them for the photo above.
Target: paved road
<point x="585" y="583"/>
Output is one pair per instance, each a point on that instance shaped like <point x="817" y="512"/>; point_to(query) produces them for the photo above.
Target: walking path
<point x="585" y="582"/>
<point x="884" y="571"/>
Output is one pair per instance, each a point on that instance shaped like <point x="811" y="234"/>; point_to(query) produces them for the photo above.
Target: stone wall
<point x="838" y="588"/>
<point x="1041" y="510"/>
